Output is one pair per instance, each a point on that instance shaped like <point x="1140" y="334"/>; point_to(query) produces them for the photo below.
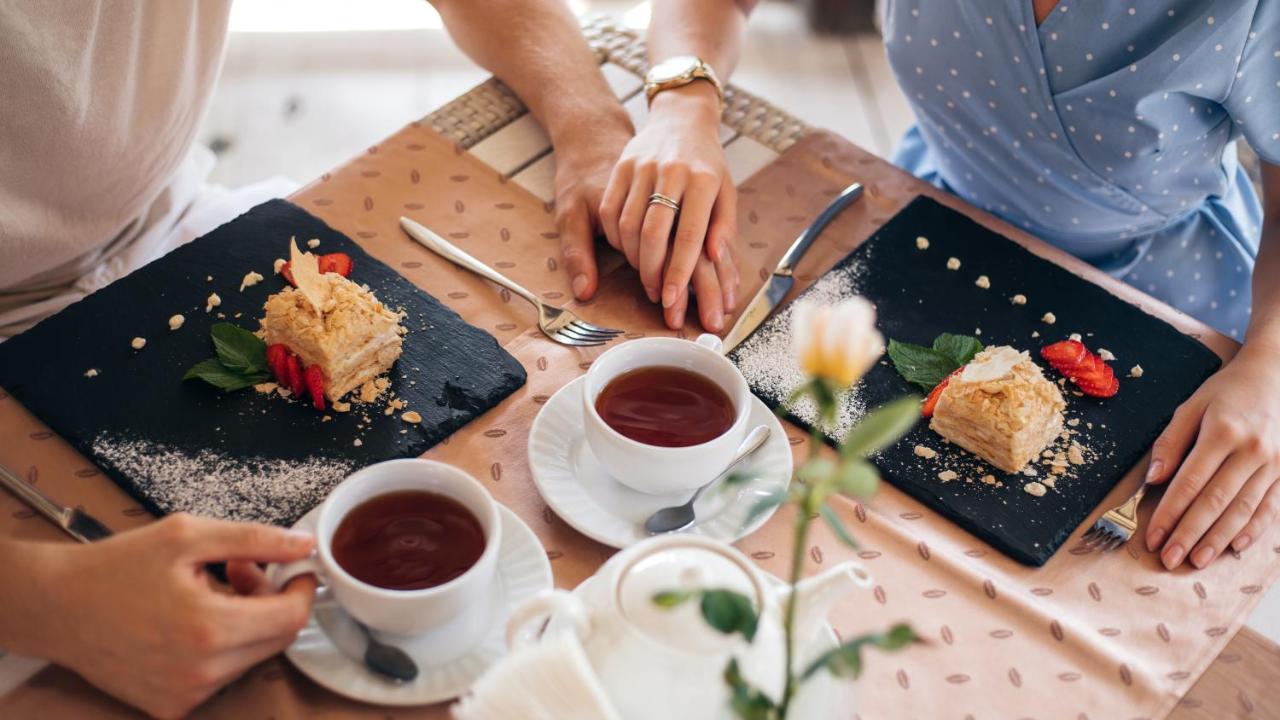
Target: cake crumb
<point x="1075" y="454"/>
<point x="91" y="373"/>
<point x="266" y="387"/>
<point x="922" y="242"/>
<point x="1075" y="336"/>
<point x="208" y="278"/>
<point x="284" y="392"/>
<point x="1049" y="482"/>
<point x="1018" y="299"/>
<point x="983" y="282"/>
<point x="1106" y="355"/>
<point x="339" y="406"/>
<point x="1135" y="371"/>
<point x="277" y="265"/>
<point x="1035" y="333"/>
<point x="358" y="442"/>
<point x="1030" y="471"/>
<point x="176" y="321"/>
<point x="251" y="278"/>
<point x="212" y="302"/>
<point x="988" y="479"/>
<point x="1034" y="488"/>
<point x="1049" y="318"/>
<point x="313" y="243"/>
<point x="1073" y="422"/>
<point x="953" y="263"/>
<point x="138" y="343"/>
<point x="926" y="452"/>
<point x="397" y="403"/>
<point x="388" y="411"/>
<point x="411" y="417"/>
<point x="947" y="475"/>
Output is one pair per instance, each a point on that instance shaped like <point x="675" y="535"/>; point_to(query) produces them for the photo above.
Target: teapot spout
<point x="815" y="596"/>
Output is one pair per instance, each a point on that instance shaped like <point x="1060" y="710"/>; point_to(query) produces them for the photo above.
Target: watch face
<point x="672" y="68"/>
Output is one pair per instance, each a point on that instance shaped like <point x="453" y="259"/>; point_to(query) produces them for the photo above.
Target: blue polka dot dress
<point x="1108" y="130"/>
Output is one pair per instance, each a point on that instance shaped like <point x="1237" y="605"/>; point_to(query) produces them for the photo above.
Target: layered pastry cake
<point x="1001" y="408"/>
<point x="333" y="323"/>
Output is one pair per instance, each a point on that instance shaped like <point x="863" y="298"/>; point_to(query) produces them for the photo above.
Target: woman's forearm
<point x="712" y="30"/>
<point x="1264" y="326"/>
<point x="25" y="595"/>
<point x="537" y="49"/>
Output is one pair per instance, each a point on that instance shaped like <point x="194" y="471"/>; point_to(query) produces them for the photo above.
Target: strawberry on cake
<point x="332" y="332"/>
<point x="1000" y="407"/>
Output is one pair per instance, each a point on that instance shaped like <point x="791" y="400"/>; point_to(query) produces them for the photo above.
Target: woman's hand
<point x="1224" y="443"/>
<point x="151" y="628"/>
<point x="678" y="154"/>
<point x="583" y="166"/>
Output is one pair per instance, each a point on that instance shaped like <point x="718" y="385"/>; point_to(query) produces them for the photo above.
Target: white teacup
<point x="650" y="468"/>
<point x="446" y="611"/>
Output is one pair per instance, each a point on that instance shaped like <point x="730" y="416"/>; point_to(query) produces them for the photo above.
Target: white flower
<point x="837" y="342"/>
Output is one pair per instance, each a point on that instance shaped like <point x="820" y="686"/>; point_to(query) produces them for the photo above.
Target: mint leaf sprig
<point x="928" y="366"/>
<point x="240" y="363"/>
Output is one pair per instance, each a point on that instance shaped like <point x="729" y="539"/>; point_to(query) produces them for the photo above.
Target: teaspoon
<point x="387" y="660"/>
<point x="672" y="519"/>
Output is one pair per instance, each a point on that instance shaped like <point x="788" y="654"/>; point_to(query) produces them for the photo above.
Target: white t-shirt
<point x="100" y="102"/>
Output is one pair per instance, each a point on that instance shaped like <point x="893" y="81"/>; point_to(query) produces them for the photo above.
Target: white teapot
<point x="665" y="663"/>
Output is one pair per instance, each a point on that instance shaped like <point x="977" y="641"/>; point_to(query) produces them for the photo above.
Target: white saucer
<point x="523" y="571"/>
<point x="572" y="482"/>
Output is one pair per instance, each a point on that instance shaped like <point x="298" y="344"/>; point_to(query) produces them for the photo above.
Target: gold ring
<point x="660" y="199"/>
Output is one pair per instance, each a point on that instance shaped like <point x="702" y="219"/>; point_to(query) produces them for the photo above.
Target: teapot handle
<point x="528" y="622"/>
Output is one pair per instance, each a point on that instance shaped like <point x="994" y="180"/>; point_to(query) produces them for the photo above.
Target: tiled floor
<point x="298" y="104"/>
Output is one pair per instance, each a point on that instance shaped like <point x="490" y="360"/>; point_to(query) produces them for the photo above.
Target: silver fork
<point x="557" y="323"/>
<point x="1116" y="525"/>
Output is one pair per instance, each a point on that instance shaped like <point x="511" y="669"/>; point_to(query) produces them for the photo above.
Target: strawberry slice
<point x="315" y="380"/>
<point x="277" y="360"/>
<point x="1089" y="372"/>
<point x="297" y="383"/>
<point x="1065" y="355"/>
<point x="336" y="263"/>
<point x="332" y="263"/>
<point x="931" y="402"/>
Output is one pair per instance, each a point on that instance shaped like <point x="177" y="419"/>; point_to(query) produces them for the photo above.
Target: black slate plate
<point x="178" y="445"/>
<point x="918" y="298"/>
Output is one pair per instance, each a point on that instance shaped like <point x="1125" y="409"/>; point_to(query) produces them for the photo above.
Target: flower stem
<point x="800" y="543"/>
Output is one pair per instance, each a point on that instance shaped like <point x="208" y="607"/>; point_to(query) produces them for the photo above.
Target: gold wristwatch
<point x="677" y="72"/>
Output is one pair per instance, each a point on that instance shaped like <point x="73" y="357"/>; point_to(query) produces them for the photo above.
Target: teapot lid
<point x="682" y="567"/>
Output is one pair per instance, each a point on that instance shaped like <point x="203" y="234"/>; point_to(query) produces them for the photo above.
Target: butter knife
<point x="782" y="279"/>
<point x="74" y="521"/>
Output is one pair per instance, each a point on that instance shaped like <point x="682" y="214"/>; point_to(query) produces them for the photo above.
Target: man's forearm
<point x="1264" y="327"/>
<point x="537" y="49"/>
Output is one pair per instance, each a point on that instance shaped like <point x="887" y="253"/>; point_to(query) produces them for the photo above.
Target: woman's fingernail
<point x="1241" y="543"/>
<point x="580" y="286"/>
<point x="1203" y="556"/>
<point x="715" y="320"/>
<point x="669" y="295"/>
<point x="1154" y="538"/>
<point x="1172" y="556"/>
<point x="299" y="538"/>
<point x="1155" y="469"/>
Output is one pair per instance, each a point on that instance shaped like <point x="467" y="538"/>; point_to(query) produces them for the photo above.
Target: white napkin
<point x="550" y="680"/>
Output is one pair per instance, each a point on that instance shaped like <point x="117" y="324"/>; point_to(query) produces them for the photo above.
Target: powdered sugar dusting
<point x="768" y="363"/>
<point x="209" y="483"/>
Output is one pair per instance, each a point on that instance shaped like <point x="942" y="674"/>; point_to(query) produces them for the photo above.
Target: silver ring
<point x="660" y="199"/>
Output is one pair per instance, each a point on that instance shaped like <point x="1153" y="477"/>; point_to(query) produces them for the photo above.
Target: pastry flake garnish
<point x="304" y="269"/>
<point x="176" y="322"/>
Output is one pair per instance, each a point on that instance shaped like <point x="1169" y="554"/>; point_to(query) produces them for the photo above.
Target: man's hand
<point x="583" y="166"/>
<point x="1222" y="450"/>
<point x="678" y="154"/>
<point x="138" y="616"/>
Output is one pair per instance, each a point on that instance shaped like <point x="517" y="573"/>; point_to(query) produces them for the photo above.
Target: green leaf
<point x="763" y="505"/>
<point x="960" y="348"/>
<point x="815" y="471"/>
<point x="216" y="374"/>
<point x="672" y="598"/>
<point x="239" y="349"/>
<point x="917" y="364"/>
<point x="858" y="479"/>
<point x="729" y="612"/>
<point x="837" y="526"/>
<point x="881" y="428"/>
<point x="846" y="661"/>
<point x="747" y="702"/>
